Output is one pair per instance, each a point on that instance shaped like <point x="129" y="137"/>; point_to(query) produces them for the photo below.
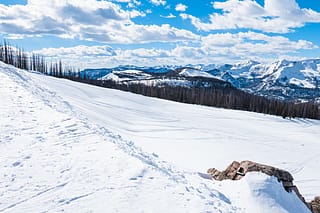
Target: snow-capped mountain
<point x="289" y="80"/>
<point x="73" y="147"/>
<point x="100" y="73"/>
<point x="127" y="75"/>
<point x="192" y="72"/>
<point x="182" y="76"/>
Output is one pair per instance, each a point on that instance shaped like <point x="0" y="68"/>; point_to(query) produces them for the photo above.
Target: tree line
<point x="17" y="57"/>
<point x="224" y="96"/>
<point x="221" y="95"/>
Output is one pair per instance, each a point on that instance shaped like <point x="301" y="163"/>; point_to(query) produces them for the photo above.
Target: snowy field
<point x="66" y="146"/>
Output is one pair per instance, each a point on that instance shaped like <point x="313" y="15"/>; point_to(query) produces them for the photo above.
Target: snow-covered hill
<point x="67" y="146"/>
<point x="127" y="75"/>
<point x="101" y="73"/>
<point x="192" y="72"/>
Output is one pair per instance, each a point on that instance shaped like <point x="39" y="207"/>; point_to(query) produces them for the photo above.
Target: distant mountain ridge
<point x="283" y="79"/>
<point x="289" y="80"/>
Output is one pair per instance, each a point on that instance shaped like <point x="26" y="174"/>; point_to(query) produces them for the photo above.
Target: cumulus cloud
<point x="78" y="51"/>
<point x="168" y="16"/>
<point x="213" y="48"/>
<point x="246" y="44"/>
<point x="110" y="23"/>
<point x="102" y="21"/>
<point x="130" y="3"/>
<point x="123" y="1"/>
<point x="181" y="7"/>
<point x="275" y="16"/>
<point x="144" y="53"/>
<point x="158" y="2"/>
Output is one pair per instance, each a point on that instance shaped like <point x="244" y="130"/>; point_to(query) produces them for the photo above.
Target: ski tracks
<point x="54" y="156"/>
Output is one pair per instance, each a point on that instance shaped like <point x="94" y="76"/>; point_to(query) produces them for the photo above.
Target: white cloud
<point x="275" y="16"/>
<point x="78" y="51"/>
<point x="168" y="16"/>
<point x="181" y="7"/>
<point x="158" y="2"/>
<point x="136" y="13"/>
<point x="144" y="53"/>
<point x="214" y="48"/>
<point x="250" y="44"/>
<point x="92" y="20"/>
<point x="123" y="1"/>
<point x="108" y="22"/>
<point x="190" y="53"/>
<point x="133" y="3"/>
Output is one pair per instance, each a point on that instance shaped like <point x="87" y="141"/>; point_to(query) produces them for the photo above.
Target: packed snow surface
<point x="67" y="146"/>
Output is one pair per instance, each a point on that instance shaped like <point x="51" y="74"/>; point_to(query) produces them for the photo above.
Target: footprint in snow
<point x="15" y="164"/>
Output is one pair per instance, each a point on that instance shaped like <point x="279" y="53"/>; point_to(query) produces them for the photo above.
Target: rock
<point x="315" y="205"/>
<point x="229" y="173"/>
<point x="236" y="171"/>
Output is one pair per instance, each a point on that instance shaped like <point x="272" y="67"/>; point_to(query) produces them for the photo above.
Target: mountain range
<point x="283" y="79"/>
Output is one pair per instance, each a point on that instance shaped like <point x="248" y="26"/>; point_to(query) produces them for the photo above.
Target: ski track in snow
<point x="42" y="141"/>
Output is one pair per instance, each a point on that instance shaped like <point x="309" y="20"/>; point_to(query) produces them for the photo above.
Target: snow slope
<point x="191" y="72"/>
<point x="126" y="75"/>
<point x="74" y="147"/>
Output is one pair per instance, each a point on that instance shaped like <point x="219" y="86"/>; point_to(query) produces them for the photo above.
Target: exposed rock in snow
<point x="315" y="205"/>
<point x="236" y="171"/>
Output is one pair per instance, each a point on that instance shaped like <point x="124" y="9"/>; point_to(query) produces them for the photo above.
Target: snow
<point x="266" y="192"/>
<point x="189" y="72"/>
<point x="113" y="77"/>
<point x="202" y="67"/>
<point x="242" y="69"/>
<point x="54" y="159"/>
<point x="132" y="72"/>
<point x="67" y="146"/>
<point x="303" y="74"/>
<point x="301" y="83"/>
<point x="164" y="81"/>
<point x="129" y="75"/>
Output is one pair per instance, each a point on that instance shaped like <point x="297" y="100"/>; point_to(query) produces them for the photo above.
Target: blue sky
<point x="92" y="33"/>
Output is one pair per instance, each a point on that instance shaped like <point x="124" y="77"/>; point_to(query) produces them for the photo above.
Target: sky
<point x="99" y="33"/>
